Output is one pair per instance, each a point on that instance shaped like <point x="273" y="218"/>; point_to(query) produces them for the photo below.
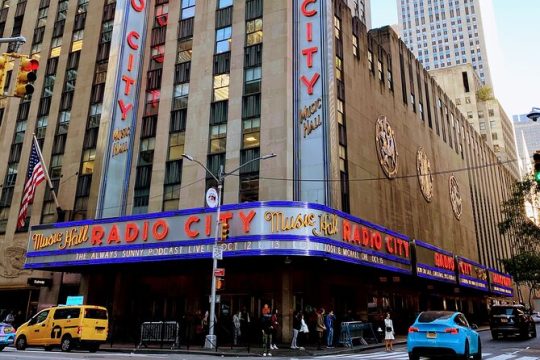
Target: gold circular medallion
<point x="423" y="170"/>
<point x="455" y="197"/>
<point x="385" y="140"/>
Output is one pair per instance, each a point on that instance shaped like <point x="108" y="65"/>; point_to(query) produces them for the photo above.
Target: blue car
<point x="7" y="335"/>
<point x="443" y="334"/>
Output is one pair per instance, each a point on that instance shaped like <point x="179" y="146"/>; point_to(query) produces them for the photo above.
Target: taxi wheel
<point x="93" y="348"/>
<point x="66" y="344"/>
<point x="20" y="344"/>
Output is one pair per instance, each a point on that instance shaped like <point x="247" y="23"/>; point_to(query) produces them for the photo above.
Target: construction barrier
<point x="357" y="331"/>
<point x="160" y="332"/>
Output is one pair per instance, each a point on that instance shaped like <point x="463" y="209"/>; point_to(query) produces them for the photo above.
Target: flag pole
<point x="51" y="187"/>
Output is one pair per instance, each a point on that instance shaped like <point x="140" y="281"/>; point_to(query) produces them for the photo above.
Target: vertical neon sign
<point x="120" y="105"/>
<point x="311" y="76"/>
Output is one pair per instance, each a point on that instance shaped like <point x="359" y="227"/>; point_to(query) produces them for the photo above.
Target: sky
<point x="515" y="68"/>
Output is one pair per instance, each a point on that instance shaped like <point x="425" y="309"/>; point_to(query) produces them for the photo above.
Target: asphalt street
<point x="504" y="349"/>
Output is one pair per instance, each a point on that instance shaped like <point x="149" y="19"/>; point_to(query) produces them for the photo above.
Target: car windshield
<point x="505" y="311"/>
<point x="430" y="316"/>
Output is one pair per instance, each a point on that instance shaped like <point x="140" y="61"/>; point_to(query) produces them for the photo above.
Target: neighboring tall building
<point x="443" y="33"/>
<point x="362" y="10"/>
<point x="482" y="110"/>
<point x="527" y="134"/>
<point x="381" y="190"/>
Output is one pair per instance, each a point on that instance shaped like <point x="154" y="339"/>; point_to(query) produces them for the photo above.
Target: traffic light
<point x="3" y="72"/>
<point x="26" y="76"/>
<point x="536" y="158"/>
<point x="224" y="231"/>
<point x="220" y="283"/>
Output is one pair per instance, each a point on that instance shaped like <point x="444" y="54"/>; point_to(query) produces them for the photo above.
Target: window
<point x="370" y="61"/>
<point x="491" y="112"/>
<point x="482" y="125"/>
<point x="254" y="33"/>
<point x="494" y="136"/>
<point x="221" y="87"/>
<point x="224" y="3"/>
<point x="251" y="132"/>
<point x="188" y="9"/>
<point x="252" y="80"/>
<point x="380" y="70"/>
<point x="185" y="50"/>
<point x="88" y="157"/>
<point x="469" y="114"/>
<point x="355" y="46"/>
<point x="339" y="68"/>
<point x="467" y="100"/>
<point x="223" y="39"/>
<point x="181" y="90"/>
<point x="480" y="114"/>
<point x="176" y="145"/>
<point x="218" y="138"/>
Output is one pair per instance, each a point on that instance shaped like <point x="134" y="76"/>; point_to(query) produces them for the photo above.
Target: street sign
<point x="218" y="299"/>
<point x="217" y="252"/>
<point x="219" y="272"/>
<point x="211" y="198"/>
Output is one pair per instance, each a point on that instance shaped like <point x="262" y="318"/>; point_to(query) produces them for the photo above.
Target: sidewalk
<point x="283" y="350"/>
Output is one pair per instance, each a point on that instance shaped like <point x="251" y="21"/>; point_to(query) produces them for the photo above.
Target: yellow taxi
<point x="67" y="327"/>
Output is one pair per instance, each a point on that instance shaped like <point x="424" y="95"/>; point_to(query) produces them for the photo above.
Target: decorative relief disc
<point x="455" y="197"/>
<point x="425" y="178"/>
<point x="385" y="139"/>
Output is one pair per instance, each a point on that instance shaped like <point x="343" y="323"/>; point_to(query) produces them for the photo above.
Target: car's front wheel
<point x="20" y="343"/>
<point x="413" y="356"/>
<point x="478" y="355"/>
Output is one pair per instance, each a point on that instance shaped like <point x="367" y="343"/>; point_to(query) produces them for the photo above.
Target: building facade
<point x="482" y="109"/>
<point x="374" y="163"/>
<point x="527" y="135"/>
<point x="444" y="33"/>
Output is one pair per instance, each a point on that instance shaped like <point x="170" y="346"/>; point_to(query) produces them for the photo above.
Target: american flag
<point x="34" y="177"/>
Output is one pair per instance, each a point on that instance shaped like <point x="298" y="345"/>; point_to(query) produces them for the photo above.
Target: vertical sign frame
<point x="120" y="105"/>
<point x="313" y="79"/>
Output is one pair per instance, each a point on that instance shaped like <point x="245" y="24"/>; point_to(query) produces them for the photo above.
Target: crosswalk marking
<point x="403" y="355"/>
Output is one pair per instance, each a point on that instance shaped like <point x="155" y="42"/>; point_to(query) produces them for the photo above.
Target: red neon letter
<point x="309" y="53"/>
<point x="97" y="235"/>
<point x="160" y="235"/>
<point x="124" y="109"/>
<point x="246" y="220"/>
<point x="132" y="231"/>
<point x="137" y="7"/>
<point x="129" y="81"/>
<point x="346" y="231"/>
<point x="113" y="235"/>
<point x="309" y="32"/>
<point x="305" y="11"/>
<point x="310" y="83"/>
<point x="130" y="37"/>
<point x="187" y="227"/>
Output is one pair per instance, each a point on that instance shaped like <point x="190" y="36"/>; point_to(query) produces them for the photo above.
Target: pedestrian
<point x="304" y="330"/>
<point x="296" y="324"/>
<point x="329" y="322"/>
<point x="245" y="324"/>
<point x="266" y="328"/>
<point x="237" y="331"/>
<point x="10" y="318"/>
<point x="320" y="327"/>
<point x="275" y="328"/>
<point x="389" y="333"/>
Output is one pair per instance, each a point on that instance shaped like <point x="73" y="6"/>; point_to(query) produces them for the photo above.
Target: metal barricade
<point x="160" y="332"/>
<point x="357" y="330"/>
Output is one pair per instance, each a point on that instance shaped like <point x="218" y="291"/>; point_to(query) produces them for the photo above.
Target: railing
<point x="160" y="332"/>
<point x="357" y="331"/>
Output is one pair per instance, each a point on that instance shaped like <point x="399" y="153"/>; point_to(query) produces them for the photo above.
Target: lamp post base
<point x="210" y="342"/>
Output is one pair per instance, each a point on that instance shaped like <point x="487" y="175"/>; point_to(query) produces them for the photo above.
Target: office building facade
<point x="374" y="163"/>
<point x="443" y="33"/>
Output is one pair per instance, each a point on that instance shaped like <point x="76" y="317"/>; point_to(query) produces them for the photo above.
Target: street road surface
<point x="508" y="349"/>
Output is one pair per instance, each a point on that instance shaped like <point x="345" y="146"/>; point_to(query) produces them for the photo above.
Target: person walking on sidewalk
<point x="389" y="333"/>
<point x="275" y="328"/>
<point x="320" y="327"/>
<point x="329" y="322"/>
<point x="267" y="330"/>
<point x="237" y="318"/>
<point x="296" y="325"/>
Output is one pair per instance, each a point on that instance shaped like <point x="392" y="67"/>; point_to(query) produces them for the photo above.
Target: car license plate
<point x="504" y="320"/>
<point x="431" y="335"/>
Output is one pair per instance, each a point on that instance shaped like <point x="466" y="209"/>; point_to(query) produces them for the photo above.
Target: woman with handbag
<point x="389" y="333"/>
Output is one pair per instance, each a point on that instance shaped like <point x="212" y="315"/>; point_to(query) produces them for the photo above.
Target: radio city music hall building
<point x="381" y="196"/>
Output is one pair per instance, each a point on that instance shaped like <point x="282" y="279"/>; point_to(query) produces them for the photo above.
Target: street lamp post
<point x="211" y="338"/>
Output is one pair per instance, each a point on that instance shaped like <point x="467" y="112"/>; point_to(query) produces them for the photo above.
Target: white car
<point x="536" y="317"/>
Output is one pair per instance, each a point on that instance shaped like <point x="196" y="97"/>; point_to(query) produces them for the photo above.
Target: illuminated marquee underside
<point x="256" y="229"/>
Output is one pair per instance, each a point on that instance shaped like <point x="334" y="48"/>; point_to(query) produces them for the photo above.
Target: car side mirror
<point x="474" y="326"/>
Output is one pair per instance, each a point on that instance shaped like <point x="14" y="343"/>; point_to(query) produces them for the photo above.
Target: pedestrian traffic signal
<point x="220" y="283"/>
<point x="224" y="231"/>
<point x="536" y="158"/>
<point x="26" y="76"/>
<point x="3" y="72"/>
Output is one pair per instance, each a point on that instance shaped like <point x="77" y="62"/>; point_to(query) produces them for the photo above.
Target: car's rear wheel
<point x="466" y="353"/>
<point x="478" y="355"/>
<point x="67" y="343"/>
<point x="93" y="348"/>
<point x="20" y="343"/>
<point x="524" y="333"/>
<point x="413" y="356"/>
